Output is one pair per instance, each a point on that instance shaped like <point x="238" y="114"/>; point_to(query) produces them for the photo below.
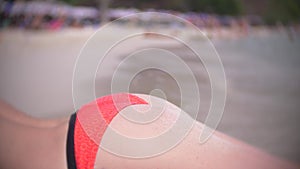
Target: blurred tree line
<point x="273" y="11"/>
<point x="283" y="11"/>
<point x="221" y="7"/>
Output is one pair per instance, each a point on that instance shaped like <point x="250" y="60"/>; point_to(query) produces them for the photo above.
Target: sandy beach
<point x="262" y="72"/>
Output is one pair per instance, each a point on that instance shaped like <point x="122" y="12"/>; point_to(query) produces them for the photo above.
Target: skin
<point x="29" y="142"/>
<point x="34" y="143"/>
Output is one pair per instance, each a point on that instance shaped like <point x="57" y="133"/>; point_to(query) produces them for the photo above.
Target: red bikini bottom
<point x="87" y="126"/>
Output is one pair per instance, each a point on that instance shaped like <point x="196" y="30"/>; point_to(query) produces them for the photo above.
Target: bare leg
<point x="30" y="143"/>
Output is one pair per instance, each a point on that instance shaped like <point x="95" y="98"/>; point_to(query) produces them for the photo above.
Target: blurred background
<point x="257" y="40"/>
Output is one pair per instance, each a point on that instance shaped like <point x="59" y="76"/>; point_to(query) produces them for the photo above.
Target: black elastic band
<point x="70" y="143"/>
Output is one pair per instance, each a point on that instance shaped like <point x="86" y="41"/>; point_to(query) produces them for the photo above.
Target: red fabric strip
<point x="91" y="123"/>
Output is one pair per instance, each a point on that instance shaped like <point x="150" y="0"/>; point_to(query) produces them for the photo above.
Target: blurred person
<point x="37" y="22"/>
<point x="57" y="23"/>
<point x="30" y="143"/>
<point x="243" y="27"/>
<point x="5" y="19"/>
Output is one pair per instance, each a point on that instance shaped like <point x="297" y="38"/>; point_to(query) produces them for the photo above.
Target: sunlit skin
<point x="32" y="143"/>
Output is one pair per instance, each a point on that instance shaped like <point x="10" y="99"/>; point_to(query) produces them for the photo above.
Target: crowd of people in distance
<point x="39" y="14"/>
<point x="43" y="15"/>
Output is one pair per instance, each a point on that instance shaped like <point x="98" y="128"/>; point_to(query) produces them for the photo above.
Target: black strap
<point x="70" y="143"/>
